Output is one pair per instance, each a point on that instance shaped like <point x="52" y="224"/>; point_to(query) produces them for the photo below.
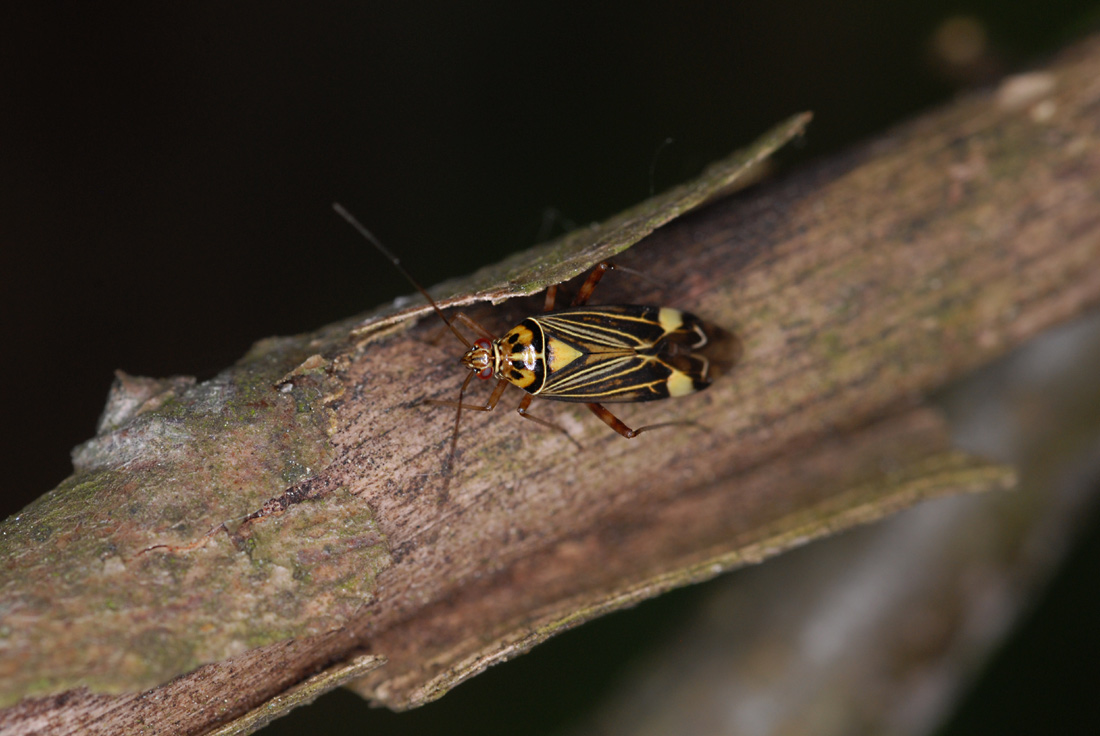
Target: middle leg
<point x="522" y="411"/>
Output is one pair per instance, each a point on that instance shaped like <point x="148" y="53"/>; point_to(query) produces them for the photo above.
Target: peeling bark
<point x="327" y="539"/>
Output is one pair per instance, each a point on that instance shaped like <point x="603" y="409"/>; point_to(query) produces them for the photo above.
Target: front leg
<point x="489" y="405"/>
<point x="459" y="406"/>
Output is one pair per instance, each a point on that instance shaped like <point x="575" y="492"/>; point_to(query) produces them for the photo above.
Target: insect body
<point x="609" y="354"/>
<point x="589" y="355"/>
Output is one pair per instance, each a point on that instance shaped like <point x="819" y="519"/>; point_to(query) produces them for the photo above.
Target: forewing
<point x="629" y="353"/>
<point x="604" y="329"/>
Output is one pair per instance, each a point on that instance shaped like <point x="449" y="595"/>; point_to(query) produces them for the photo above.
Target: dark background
<point x="166" y="175"/>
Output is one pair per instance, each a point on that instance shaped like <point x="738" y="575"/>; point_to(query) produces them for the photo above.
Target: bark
<point x="291" y="524"/>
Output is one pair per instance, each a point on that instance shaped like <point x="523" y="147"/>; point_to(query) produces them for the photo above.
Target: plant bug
<point x="583" y="354"/>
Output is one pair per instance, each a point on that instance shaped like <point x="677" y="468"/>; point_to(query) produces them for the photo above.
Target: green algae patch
<point x="136" y="568"/>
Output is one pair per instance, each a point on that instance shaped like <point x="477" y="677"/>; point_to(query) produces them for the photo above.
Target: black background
<point x="167" y="173"/>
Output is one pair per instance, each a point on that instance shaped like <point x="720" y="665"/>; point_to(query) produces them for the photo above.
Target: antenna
<point x="397" y="264"/>
<point x="653" y="163"/>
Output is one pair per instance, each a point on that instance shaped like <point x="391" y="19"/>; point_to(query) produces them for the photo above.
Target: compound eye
<point x="483" y="344"/>
<point x="486" y="372"/>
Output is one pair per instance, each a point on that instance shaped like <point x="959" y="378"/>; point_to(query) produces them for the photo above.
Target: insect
<point x="590" y="355"/>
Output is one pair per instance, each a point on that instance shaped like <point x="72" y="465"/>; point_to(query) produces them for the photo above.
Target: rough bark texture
<point x="884" y="628"/>
<point x="857" y="287"/>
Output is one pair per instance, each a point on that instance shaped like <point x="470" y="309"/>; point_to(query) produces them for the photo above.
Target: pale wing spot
<point x="670" y="319"/>
<point x="680" y="384"/>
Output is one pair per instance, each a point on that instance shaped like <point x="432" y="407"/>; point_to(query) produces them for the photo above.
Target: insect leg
<point x="594" y="278"/>
<point x="522" y="410"/>
<point x="489" y="405"/>
<point x="551" y="298"/>
<point x="459" y="406"/>
<point x="620" y="426"/>
<point x="590" y="283"/>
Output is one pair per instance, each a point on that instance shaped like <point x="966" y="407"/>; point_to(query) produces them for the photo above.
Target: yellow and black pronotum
<point x="589" y="355"/>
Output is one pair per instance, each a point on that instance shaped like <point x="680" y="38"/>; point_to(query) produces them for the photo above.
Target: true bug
<point x="589" y="355"/>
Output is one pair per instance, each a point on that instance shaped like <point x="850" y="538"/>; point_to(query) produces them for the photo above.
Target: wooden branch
<point x="289" y="519"/>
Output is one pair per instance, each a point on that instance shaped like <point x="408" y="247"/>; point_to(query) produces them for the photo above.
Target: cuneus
<point x="586" y="354"/>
